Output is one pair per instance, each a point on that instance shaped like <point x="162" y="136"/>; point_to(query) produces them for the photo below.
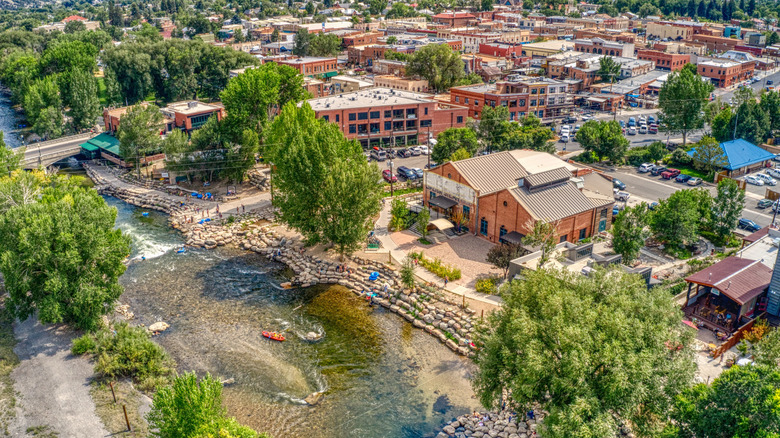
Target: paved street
<point x="648" y="188"/>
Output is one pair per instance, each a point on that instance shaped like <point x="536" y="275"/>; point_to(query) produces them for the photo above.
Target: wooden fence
<point x="735" y="338"/>
<point x="723" y="175"/>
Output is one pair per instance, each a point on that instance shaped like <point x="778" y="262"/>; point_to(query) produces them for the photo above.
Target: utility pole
<point x="392" y="193"/>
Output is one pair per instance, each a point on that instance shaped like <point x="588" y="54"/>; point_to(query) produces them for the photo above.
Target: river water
<point x="8" y="122"/>
<point x="380" y="376"/>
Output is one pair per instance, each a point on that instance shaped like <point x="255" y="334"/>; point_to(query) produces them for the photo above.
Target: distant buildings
<point x="542" y="97"/>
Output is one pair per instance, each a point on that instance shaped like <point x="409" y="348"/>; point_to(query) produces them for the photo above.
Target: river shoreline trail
<point x="52" y="385"/>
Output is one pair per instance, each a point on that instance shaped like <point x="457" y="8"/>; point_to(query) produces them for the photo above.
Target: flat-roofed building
<point x="541" y="97"/>
<point x="383" y="116"/>
<point x="399" y="83"/>
<point x="664" y="61"/>
<point x="604" y="47"/>
<point x="313" y="66"/>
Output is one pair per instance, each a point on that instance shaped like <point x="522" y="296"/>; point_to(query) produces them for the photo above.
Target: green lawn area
<point x="689" y="170"/>
<point x="102" y="91"/>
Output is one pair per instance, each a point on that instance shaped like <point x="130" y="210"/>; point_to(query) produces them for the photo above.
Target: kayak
<point x="273" y="336"/>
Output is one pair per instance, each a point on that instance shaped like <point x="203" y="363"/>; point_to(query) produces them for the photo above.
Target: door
<point x="602" y="225"/>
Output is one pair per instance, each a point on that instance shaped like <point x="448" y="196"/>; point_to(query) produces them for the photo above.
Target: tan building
<point x="397" y="83"/>
<point x="670" y="31"/>
<point x="346" y="84"/>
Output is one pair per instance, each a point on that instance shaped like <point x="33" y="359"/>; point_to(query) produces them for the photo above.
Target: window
<point x="374" y="114"/>
<point x="522" y="102"/>
<point x="533" y="102"/>
<point x="388" y="126"/>
<point x="583" y="233"/>
<point x="352" y="116"/>
<point x="541" y="91"/>
<point x="426" y="123"/>
<point x="505" y="204"/>
<point x="337" y="118"/>
<point x="352" y="128"/>
<point x="398" y="114"/>
<point x="460" y="119"/>
<point x="411" y="124"/>
<point x="388" y="114"/>
<point x="362" y="116"/>
<point x="533" y="90"/>
<point x="411" y="113"/>
<point x="426" y="110"/>
<point x="564" y="238"/>
<point x="362" y="129"/>
<point x="467" y="100"/>
<point x="374" y="128"/>
<point x="476" y="102"/>
<point x="326" y="118"/>
<point x="483" y="225"/>
<point x="457" y="99"/>
<point x="541" y="102"/>
<point x="603" y="213"/>
<point x="199" y="120"/>
<point x="501" y="232"/>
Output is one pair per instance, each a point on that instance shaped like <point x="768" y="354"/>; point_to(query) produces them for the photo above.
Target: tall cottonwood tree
<point x="681" y="100"/>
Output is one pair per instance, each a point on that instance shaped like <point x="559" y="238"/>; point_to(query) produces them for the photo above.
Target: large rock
<point x="158" y="327"/>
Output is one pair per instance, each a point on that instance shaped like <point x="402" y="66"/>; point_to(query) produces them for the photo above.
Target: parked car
<point x="389" y="177"/>
<point x="652" y="205"/>
<point x="378" y="154"/>
<point x="406" y="172"/>
<point x="631" y="121"/>
<point x="424" y="150"/>
<point x="777" y="157"/>
<point x="618" y="184"/>
<point x="643" y="129"/>
<point x="774" y="172"/>
<point x="750" y="179"/>
<point x="695" y="181"/>
<point x="650" y="120"/>
<point x="645" y="167"/>
<point x="670" y="173"/>
<point x="748" y="225"/>
<point x="415" y="151"/>
<point x="657" y="170"/>
<point x="764" y="203"/>
<point x="569" y="119"/>
<point x="616" y="209"/>
<point x="768" y="180"/>
<point x="682" y="178"/>
<point x="403" y="153"/>
<point x="769" y="82"/>
<point x="620" y="195"/>
<point x="622" y="124"/>
<point x="417" y="171"/>
<point x="565" y="137"/>
<point x="631" y="130"/>
<point x="652" y="129"/>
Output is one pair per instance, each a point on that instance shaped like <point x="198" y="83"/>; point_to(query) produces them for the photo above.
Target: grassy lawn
<point x="102" y="91"/>
<point x="689" y="170"/>
<point x="112" y="415"/>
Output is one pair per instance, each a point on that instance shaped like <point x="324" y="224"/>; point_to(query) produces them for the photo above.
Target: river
<point x="8" y="122"/>
<point x="380" y="376"/>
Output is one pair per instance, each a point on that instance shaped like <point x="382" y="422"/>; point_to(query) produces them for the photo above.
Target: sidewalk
<point x="398" y="255"/>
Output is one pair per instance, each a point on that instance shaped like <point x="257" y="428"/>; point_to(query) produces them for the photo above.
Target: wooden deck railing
<point x="735" y="338"/>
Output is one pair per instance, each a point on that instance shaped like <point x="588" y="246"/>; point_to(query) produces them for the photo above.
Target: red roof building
<point x="453" y="19"/>
<point x="74" y="18"/>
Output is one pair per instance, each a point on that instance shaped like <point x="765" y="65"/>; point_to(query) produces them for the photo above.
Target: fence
<point x="735" y="338"/>
<point x="723" y="175"/>
<point x="771" y="194"/>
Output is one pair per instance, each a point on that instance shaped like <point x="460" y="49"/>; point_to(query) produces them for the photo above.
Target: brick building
<point x="503" y="50"/>
<point x="716" y="43"/>
<point x="312" y="66"/>
<point x="361" y="39"/>
<point x="503" y="194"/>
<point x="453" y="19"/>
<point x="382" y="116"/>
<point x="604" y="47"/>
<point x="665" y="30"/>
<point x="367" y="55"/>
<point x="664" y="61"/>
<point x="399" y="83"/>
<point x="724" y="72"/>
<point x="472" y="38"/>
<point x="623" y="37"/>
<point x="541" y="97"/>
<point x="185" y="115"/>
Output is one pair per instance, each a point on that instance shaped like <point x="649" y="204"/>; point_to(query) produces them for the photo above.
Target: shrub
<point x="436" y="266"/>
<point x="126" y="351"/>
<point x="488" y="285"/>
<point x="637" y="156"/>
<point x="680" y="157"/>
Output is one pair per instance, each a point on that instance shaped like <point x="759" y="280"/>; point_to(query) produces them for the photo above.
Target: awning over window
<point x="513" y="237"/>
<point x="442" y="202"/>
<point x="441" y="224"/>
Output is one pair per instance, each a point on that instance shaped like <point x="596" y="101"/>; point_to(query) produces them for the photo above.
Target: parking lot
<point x="419" y="161"/>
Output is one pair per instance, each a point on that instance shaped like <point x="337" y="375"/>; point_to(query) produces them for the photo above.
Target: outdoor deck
<point x="715" y="318"/>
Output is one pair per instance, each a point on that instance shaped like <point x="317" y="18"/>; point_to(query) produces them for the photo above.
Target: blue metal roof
<point x="740" y="153"/>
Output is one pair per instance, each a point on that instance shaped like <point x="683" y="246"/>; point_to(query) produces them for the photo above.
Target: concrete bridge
<point x="49" y="152"/>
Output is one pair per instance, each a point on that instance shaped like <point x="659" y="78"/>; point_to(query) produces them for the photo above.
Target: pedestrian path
<point x="383" y="234"/>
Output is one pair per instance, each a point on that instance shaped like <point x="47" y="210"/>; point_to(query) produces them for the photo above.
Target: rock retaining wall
<point x="134" y="196"/>
<point x="492" y="425"/>
<point x="260" y="178"/>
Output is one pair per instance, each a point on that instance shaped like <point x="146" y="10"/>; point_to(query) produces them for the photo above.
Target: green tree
<point x="10" y="159"/>
<point x="630" y="231"/>
<point x="254" y="96"/>
<point x="407" y="273"/>
<point x="65" y="56"/>
<point x="275" y="35"/>
<point x="500" y="255"/>
<point x="308" y="152"/>
<point x="436" y="63"/>
<point x="742" y="402"/>
<point x="470" y="79"/>
<point x="591" y="351"/>
<point x="603" y="138"/>
<point x="486" y="5"/>
<point x="773" y="38"/>
<point x="542" y="234"/>
<point x="770" y="103"/>
<point x="391" y="40"/>
<point x="43" y="93"/>
<point x="302" y="43"/>
<point x="84" y="103"/>
<point x="423" y="219"/>
<point x="648" y="9"/>
<point x="681" y="100"/>
<point x="178" y="158"/>
<point x="494" y="126"/>
<point x="400" y="214"/>
<point x="753" y="123"/>
<point x="139" y="133"/>
<point x="451" y="140"/>
<point x="767" y="350"/>
<point x="375" y="7"/>
<point x="192" y="408"/>
<point x="61" y="256"/>
<point x="400" y="10"/>
<point x="325" y="44"/>
<point x="530" y="135"/>
<point x="676" y="220"/>
<point x="609" y="70"/>
<point x="460" y="154"/>
<point x="726" y="209"/>
<point x="723" y="125"/>
<point x="709" y="156"/>
<point x="74" y="26"/>
<point x="656" y="151"/>
<point x="49" y="123"/>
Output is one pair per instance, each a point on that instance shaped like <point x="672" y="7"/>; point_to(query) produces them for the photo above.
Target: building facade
<point x="541" y="97"/>
<point x="312" y="66"/>
<point x="664" y="61"/>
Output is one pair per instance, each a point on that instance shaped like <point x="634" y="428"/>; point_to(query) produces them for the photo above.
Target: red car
<point x="388" y="176"/>
<point x="670" y="173"/>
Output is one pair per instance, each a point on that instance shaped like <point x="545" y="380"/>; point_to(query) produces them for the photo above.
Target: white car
<point x="774" y="172"/>
<point x="565" y="137"/>
<point x="643" y="129"/>
<point x="750" y="179"/>
<point x="631" y="130"/>
<point x="645" y="167"/>
<point x="424" y="150"/>
<point x="565" y="129"/>
<point x="768" y="180"/>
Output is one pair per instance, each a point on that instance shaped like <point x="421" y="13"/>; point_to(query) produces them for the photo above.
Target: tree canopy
<point x="436" y="63"/>
<point x="453" y="139"/>
<point x="681" y="100"/>
<point x="591" y="351"/>
<point x="630" y="231"/>
<point x="604" y="138"/>
<point x="677" y="219"/>
<point x="726" y="209"/>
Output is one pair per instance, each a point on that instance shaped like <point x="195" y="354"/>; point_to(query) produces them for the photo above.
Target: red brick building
<point x="502" y="195"/>
<point x="716" y="43"/>
<point x="382" y="116"/>
<point x="453" y="19"/>
<point x="725" y="72"/>
<point x="186" y="115"/>
<point x="311" y="66"/>
<point x="541" y="97"/>
<point x="366" y="55"/>
<point x="663" y="60"/>
<point x="361" y="39"/>
<point x="503" y="50"/>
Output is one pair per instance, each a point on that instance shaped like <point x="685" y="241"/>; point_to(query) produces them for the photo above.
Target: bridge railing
<point x="61" y="140"/>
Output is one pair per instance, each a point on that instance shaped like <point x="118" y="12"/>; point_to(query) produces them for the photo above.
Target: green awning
<point x="330" y="74"/>
<point x="105" y="142"/>
<point x="89" y="147"/>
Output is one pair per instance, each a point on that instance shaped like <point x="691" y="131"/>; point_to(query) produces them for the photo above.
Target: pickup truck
<point x="670" y="173"/>
<point x="621" y="196"/>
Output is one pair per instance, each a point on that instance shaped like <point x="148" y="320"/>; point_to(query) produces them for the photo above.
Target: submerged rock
<point x="314" y="398"/>
<point x="158" y="327"/>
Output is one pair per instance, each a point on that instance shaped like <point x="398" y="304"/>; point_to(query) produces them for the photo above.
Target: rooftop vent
<point x="192" y="104"/>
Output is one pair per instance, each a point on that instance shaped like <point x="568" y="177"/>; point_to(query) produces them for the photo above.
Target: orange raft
<point x="274" y="336"/>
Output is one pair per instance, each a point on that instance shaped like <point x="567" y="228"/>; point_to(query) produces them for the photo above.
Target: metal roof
<point x="104" y="142"/>
<point x="737" y="278"/>
<point x="554" y="202"/>
<point x="550" y="176"/>
<point x="741" y="153"/>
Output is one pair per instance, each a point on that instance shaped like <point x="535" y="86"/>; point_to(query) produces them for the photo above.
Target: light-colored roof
<point x="548" y="177"/>
<point x="191" y="107"/>
<point x="367" y="98"/>
<point x="553" y="202"/>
